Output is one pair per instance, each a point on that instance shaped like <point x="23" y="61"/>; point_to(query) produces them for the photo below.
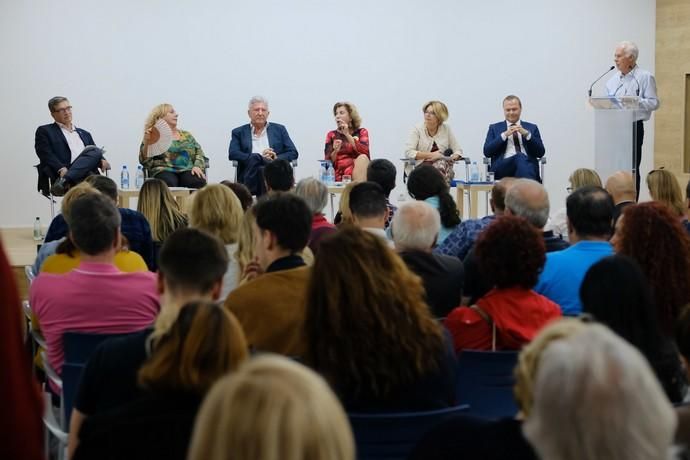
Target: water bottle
<point x="37" y="230"/>
<point x="139" y="180"/>
<point x="124" y="178"/>
<point x="323" y="172"/>
<point x="474" y="172"/>
<point x="330" y="175"/>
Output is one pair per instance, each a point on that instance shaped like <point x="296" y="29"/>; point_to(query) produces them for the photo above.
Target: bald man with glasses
<point x="67" y="154"/>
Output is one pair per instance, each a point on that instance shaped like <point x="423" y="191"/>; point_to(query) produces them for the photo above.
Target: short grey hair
<point x="415" y="226"/>
<point x="528" y="199"/>
<point x="596" y="397"/>
<point x="630" y="49"/>
<point x="257" y="100"/>
<point x="54" y="101"/>
<point x="314" y="192"/>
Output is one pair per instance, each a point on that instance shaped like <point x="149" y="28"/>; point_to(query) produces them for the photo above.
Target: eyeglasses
<point x="569" y="189"/>
<point x="63" y="110"/>
<point x="429" y="112"/>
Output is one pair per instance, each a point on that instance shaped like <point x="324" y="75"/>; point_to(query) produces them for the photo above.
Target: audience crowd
<point x="252" y="328"/>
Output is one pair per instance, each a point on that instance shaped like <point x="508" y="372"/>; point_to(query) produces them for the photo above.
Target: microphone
<point x="637" y="82"/>
<point x="600" y="77"/>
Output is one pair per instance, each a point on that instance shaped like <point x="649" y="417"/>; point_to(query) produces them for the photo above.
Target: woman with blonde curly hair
<point x="272" y="408"/>
<point x="216" y="209"/>
<point x="347" y="146"/>
<point x="369" y="330"/>
<point x="182" y="165"/>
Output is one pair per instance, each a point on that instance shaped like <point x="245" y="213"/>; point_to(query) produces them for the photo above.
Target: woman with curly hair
<point x="347" y="146"/>
<point x="510" y="254"/>
<point x="426" y="183"/>
<point x="651" y="234"/>
<point x="369" y="331"/>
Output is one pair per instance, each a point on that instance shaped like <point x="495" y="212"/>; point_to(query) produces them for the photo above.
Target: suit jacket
<point x="442" y="276"/>
<point x="495" y="146"/>
<point x="241" y="145"/>
<point x="52" y="148"/>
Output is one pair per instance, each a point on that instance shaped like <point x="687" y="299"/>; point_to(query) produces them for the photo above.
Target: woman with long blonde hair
<point x="369" y="330"/>
<point x="161" y="209"/>
<point x="183" y="164"/>
<point x="272" y="408"/>
<point x="664" y="188"/>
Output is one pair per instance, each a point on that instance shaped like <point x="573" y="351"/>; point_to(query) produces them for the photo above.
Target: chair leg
<point x="52" y="201"/>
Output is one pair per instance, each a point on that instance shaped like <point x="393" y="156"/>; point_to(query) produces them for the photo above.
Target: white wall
<point x="116" y="60"/>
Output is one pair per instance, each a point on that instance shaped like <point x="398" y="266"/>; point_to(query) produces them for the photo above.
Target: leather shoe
<point x="60" y="187"/>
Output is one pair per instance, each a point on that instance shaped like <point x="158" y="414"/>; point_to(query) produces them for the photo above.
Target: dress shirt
<point x="76" y="145"/>
<point x="259" y="142"/>
<point x="510" y="146"/>
<point x="629" y="84"/>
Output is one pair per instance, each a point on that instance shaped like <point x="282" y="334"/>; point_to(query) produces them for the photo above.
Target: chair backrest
<point x="392" y="436"/>
<point x="78" y="347"/>
<point x="485" y="382"/>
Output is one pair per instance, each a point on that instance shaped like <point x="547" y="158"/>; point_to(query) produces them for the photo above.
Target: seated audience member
<point x="525" y="198"/>
<point x="134" y="226"/>
<point x="242" y="193"/>
<point x="270" y="305"/>
<point x="315" y="194"/>
<point x="95" y="297"/>
<point x="183" y="164"/>
<point x="369" y="210"/>
<point x="217" y="210"/>
<point x="19" y="392"/>
<point x="621" y="187"/>
<point x="347" y="146"/>
<point x="67" y="256"/>
<point x="510" y="255"/>
<point x="590" y="211"/>
<point x="466" y="436"/>
<point x="664" y="188"/>
<point x="460" y="240"/>
<point x="682" y="336"/>
<point x="415" y="229"/>
<point x="581" y="177"/>
<point x="651" y="234"/>
<point x="615" y="407"/>
<point x="383" y="172"/>
<point x="369" y="331"/>
<point x="191" y="267"/>
<point x="426" y="183"/>
<point x="616" y="293"/>
<point x="344" y="215"/>
<point x="161" y="209"/>
<point x="294" y="416"/>
<point x="278" y="176"/>
<point x="202" y="345"/>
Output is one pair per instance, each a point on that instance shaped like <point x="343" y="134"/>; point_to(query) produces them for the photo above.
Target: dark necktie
<point x="516" y="140"/>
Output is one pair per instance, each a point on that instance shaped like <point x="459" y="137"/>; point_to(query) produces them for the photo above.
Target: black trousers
<point x="84" y="165"/>
<point x="637" y="143"/>
<point x="180" y="179"/>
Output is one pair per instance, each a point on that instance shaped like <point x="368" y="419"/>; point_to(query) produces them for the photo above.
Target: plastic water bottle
<point x="474" y="172"/>
<point x="139" y="180"/>
<point x="38" y="236"/>
<point x="330" y="175"/>
<point x="124" y="178"/>
<point x="323" y="171"/>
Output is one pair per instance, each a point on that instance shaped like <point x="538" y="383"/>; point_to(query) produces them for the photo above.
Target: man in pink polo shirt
<point x="96" y="297"/>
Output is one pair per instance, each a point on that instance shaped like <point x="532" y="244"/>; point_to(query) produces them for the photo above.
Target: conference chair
<point x="391" y="436"/>
<point x="485" y="382"/>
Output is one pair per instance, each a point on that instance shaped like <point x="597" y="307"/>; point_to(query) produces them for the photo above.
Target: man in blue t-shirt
<point x="590" y="217"/>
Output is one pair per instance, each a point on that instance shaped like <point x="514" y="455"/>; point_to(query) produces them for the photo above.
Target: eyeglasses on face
<point x="63" y="110"/>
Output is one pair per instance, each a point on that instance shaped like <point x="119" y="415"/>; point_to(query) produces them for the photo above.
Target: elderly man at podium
<point x="631" y="80"/>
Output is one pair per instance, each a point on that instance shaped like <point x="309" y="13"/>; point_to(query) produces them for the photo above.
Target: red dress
<point x="519" y="314"/>
<point x="345" y="158"/>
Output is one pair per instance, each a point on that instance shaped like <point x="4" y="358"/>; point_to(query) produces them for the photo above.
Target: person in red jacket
<point x="510" y="254"/>
<point x="347" y="147"/>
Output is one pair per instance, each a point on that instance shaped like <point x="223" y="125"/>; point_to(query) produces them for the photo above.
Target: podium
<point x="615" y="134"/>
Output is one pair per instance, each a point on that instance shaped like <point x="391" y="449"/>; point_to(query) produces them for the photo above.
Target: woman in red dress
<point x="347" y="147"/>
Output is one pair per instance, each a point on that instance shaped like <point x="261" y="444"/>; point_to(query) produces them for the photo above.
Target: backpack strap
<point x="486" y="317"/>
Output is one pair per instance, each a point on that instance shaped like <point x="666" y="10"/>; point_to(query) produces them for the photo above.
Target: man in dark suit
<point x="258" y="143"/>
<point x="513" y="145"/>
<point x="68" y="154"/>
<point x="415" y="228"/>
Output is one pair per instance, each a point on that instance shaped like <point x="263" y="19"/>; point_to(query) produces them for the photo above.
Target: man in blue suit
<point x="513" y="145"/>
<point x="67" y="154"/>
<point x="258" y="143"/>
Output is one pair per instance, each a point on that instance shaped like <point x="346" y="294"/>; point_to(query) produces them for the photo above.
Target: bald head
<point x="621" y="187"/>
<point x="528" y="199"/>
<point x="415" y="226"/>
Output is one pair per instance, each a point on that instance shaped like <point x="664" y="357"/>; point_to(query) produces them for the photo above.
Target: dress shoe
<point x="60" y="187"/>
